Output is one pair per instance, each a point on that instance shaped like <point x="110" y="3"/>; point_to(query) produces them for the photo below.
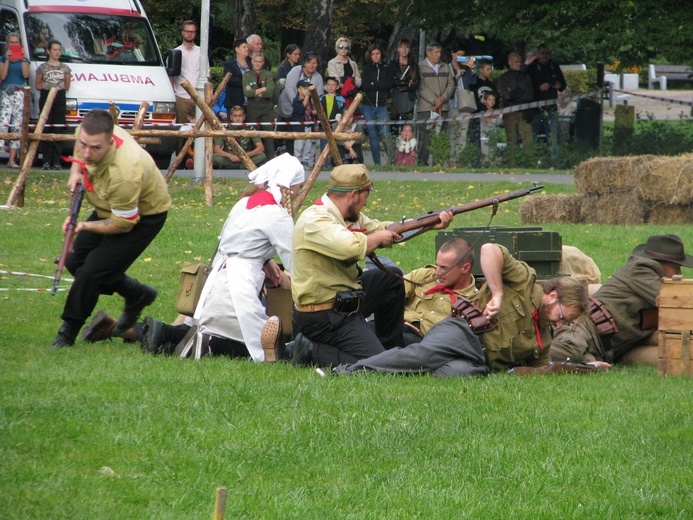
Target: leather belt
<point x="315" y="307"/>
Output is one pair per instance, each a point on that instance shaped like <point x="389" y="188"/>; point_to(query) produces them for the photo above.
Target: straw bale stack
<point x="552" y="208"/>
<point x="670" y="214"/>
<point x="604" y="175"/>
<point x="614" y="208"/>
<point x="667" y="179"/>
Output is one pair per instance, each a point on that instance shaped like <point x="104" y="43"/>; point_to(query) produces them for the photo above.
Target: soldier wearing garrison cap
<point x="629" y="293"/>
<point x="331" y="292"/>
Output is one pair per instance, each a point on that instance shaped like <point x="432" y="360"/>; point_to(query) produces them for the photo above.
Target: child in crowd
<point x="406" y="146"/>
<point x="14" y="73"/>
<point x="303" y="111"/>
<point x="489" y="122"/>
<point x="258" y="87"/>
<point x="332" y="104"/>
<point x="480" y="87"/>
<point x="351" y="151"/>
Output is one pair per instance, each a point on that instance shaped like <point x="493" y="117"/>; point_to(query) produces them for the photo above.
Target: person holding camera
<point x="332" y="294"/>
<point x="462" y="67"/>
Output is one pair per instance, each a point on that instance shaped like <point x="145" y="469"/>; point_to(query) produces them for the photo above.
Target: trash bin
<point x="588" y="122"/>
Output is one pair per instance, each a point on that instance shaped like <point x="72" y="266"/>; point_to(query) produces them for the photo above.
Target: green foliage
<point x="439" y="148"/>
<point x="655" y="137"/>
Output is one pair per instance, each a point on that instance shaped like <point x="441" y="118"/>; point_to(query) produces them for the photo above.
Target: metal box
<point x="541" y="249"/>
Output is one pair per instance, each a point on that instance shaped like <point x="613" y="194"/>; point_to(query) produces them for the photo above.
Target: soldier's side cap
<point x="350" y="177"/>
<point x="665" y="248"/>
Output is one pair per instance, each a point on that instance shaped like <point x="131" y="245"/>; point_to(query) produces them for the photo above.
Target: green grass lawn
<point x="103" y="431"/>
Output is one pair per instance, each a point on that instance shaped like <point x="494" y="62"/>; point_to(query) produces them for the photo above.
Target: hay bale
<point x="551" y="208"/>
<point x="614" y="208"/>
<point x="670" y="214"/>
<point x="604" y="175"/>
<point x="667" y="179"/>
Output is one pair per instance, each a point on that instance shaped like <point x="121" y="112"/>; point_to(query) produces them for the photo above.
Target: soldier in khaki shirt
<point x="131" y="203"/>
<point x="443" y="283"/>
<point x="330" y="237"/>
<point x="524" y="309"/>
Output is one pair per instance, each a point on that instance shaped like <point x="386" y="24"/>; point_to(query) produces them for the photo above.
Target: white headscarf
<point x="284" y="170"/>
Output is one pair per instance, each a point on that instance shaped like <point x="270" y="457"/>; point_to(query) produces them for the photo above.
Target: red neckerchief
<point x="261" y="198"/>
<point x="318" y="202"/>
<point x="88" y="185"/>
<point x="535" y="319"/>
<point x="444" y="290"/>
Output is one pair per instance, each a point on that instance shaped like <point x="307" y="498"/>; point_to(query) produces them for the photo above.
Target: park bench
<point x="579" y="66"/>
<point x="663" y="74"/>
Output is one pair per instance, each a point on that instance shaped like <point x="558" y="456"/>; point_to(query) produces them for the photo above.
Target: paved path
<point x="547" y="178"/>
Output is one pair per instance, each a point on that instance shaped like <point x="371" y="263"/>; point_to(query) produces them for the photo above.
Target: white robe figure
<point x="257" y="229"/>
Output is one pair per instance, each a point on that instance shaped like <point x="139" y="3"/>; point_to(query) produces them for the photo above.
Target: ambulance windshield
<point x="93" y="38"/>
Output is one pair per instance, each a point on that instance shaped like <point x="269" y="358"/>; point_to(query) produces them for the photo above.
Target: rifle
<point x="410" y="228"/>
<point x="75" y="205"/>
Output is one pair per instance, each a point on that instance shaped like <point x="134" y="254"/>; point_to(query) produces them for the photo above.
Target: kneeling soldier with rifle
<point x="131" y="202"/>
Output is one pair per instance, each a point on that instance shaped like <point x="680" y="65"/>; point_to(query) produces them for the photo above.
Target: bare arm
<point x="491" y="260"/>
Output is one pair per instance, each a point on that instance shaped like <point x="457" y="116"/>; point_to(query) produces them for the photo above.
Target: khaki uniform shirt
<point x="326" y="252"/>
<point x="425" y="310"/>
<point x="127" y="183"/>
<point x="514" y="341"/>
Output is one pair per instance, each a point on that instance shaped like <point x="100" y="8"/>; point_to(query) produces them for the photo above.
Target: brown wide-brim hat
<point x="350" y="177"/>
<point x="665" y="248"/>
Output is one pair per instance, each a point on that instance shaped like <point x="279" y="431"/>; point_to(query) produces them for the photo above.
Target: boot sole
<point x="99" y="328"/>
<point x="270" y="339"/>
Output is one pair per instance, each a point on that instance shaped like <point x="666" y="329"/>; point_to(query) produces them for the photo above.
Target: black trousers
<point x="218" y="346"/>
<point x="52" y="150"/>
<point x="341" y="337"/>
<point x="98" y="263"/>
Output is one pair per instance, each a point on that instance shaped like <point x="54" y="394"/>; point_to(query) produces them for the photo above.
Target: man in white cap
<point x="628" y="296"/>
<point x="229" y="311"/>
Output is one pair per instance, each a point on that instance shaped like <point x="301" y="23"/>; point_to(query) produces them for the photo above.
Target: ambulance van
<point x="110" y="48"/>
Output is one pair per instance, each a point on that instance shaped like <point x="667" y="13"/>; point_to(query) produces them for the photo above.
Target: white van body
<point x="110" y="48"/>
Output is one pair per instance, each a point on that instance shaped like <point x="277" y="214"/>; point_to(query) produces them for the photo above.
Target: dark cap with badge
<point x="350" y="177"/>
<point x="303" y="83"/>
<point x="665" y="248"/>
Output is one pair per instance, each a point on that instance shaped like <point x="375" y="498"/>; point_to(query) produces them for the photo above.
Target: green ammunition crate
<point x="540" y="249"/>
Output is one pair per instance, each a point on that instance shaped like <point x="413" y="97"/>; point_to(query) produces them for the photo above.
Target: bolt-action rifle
<point x="410" y="228"/>
<point x="75" y="205"/>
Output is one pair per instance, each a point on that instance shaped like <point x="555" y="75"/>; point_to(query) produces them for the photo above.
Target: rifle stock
<point x="75" y="205"/>
<point x="415" y="226"/>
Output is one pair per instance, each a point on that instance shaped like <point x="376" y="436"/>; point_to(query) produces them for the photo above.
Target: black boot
<point x="155" y="339"/>
<point x="137" y="296"/>
<point x="66" y="335"/>
<point x="301" y="351"/>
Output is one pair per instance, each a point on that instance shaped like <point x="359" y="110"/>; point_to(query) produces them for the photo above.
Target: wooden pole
<point x="26" y="115"/>
<point x="141" y="114"/>
<point x="113" y="109"/>
<point x="214" y="122"/>
<point x="220" y="503"/>
<point x="209" y="152"/>
<point x="346" y="120"/>
<point x="326" y="127"/>
<point x="188" y="143"/>
<point x="17" y="192"/>
<point x="192" y="134"/>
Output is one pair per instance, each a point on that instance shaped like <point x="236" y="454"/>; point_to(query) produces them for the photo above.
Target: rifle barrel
<point x="75" y="205"/>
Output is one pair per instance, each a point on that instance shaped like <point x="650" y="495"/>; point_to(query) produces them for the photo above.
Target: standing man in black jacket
<point x="548" y="81"/>
<point x="516" y="88"/>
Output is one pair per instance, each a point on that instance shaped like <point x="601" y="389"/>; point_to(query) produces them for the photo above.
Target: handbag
<point x="466" y="101"/>
<point x="192" y="279"/>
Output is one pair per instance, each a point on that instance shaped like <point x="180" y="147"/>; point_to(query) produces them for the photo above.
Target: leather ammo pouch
<point x="464" y="308"/>
<point x="649" y="318"/>
<point x="348" y="301"/>
<point x="601" y="317"/>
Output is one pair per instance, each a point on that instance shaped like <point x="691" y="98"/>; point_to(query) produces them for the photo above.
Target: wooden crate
<point x="676" y="305"/>
<point x="279" y="304"/>
<point x="675" y="353"/>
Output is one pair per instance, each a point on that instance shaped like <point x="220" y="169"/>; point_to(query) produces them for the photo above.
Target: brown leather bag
<point x="465" y="308"/>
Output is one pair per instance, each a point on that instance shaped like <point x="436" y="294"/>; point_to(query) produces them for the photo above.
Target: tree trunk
<point x="409" y="29"/>
<point x="244" y="19"/>
<point x="319" y="28"/>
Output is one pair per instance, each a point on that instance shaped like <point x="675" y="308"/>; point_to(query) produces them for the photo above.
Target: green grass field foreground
<point x="104" y="431"/>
